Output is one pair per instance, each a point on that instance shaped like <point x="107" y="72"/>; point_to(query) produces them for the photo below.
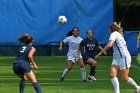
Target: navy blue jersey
<point x="23" y="53"/>
<point x="88" y="46"/>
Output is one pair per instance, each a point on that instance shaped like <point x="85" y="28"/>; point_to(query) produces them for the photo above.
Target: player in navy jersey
<point x="23" y="62"/>
<point x="87" y="47"/>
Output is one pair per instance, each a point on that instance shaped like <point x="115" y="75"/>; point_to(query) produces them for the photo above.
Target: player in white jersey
<point x="72" y="56"/>
<point x="121" y="59"/>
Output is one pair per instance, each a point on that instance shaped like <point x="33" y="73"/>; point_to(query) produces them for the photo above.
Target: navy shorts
<point x="21" y="67"/>
<point x="86" y="57"/>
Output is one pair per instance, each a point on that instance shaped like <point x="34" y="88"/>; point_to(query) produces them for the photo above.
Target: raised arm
<point x="61" y="46"/>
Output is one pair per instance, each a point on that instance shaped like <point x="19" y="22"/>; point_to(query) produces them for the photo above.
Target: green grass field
<point x="50" y="70"/>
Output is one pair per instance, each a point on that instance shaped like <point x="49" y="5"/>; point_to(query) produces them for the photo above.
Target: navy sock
<point x="92" y="70"/>
<point x="37" y="87"/>
<point x="22" y="85"/>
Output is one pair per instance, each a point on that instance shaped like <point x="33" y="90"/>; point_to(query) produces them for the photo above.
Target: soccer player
<point x="24" y="58"/>
<point x="87" y="46"/>
<point x="138" y="47"/>
<point x="121" y="59"/>
<point x="73" y="41"/>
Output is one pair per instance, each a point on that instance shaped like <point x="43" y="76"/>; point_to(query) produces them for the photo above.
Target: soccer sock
<point x="22" y="85"/>
<point x="83" y="73"/>
<point x="131" y="82"/>
<point x="65" y="72"/>
<point x="92" y="70"/>
<point x="37" y="87"/>
<point x="115" y="84"/>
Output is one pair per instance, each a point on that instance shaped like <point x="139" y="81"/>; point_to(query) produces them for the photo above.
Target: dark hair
<point x="74" y="28"/>
<point x="70" y="32"/>
<point x="25" y="38"/>
<point x="89" y="30"/>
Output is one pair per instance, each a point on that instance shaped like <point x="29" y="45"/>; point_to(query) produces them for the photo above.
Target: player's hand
<point x="36" y="67"/>
<point x="60" y="48"/>
<point x="98" y="55"/>
<point x="105" y="53"/>
<point x="31" y="65"/>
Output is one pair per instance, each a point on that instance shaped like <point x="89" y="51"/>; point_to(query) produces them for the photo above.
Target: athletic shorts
<point x="73" y="57"/>
<point x="86" y="57"/>
<point x="21" y="67"/>
<point x="123" y="63"/>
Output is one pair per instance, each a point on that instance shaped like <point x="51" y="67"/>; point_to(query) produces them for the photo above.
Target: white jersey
<point x="119" y="48"/>
<point x="73" y="44"/>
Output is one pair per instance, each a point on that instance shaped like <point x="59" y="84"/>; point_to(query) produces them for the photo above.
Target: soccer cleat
<point x="61" y="79"/>
<point x="91" y="78"/>
<point x="137" y="90"/>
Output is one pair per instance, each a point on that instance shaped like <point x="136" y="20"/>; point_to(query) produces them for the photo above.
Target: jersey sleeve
<point x="66" y="40"/>
<point x="112" y="37"/>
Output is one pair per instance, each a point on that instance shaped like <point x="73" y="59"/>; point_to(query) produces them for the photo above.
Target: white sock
<point x="83" y="73"/>
<point x="65" y="72"/>
<point x="115" y="84"/>
<point x="131" y="82"/>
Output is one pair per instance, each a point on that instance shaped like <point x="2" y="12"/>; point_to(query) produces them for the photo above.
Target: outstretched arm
<point x="107" y="47"/>
<point x="99" y="47"/>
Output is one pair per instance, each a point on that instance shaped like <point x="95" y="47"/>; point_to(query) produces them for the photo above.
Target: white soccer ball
<point x="62" y="19"/>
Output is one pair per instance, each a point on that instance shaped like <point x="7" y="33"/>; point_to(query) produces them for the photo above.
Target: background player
<point x="73" y="41"/>
<point x="88" y="52"/>
<point x="121" y="59"/>
<point x="138" y="47"/>
<point x="21" y="66"/>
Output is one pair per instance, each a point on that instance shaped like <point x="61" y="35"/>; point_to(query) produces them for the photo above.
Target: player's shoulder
<point x="80" y="38"/>
<point x="115" y="33"/>
<point x="85" y="39"/>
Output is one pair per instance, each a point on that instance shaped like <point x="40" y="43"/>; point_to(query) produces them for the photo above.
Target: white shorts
<point x="73" y="58"/>
<point x="123" y="63"/>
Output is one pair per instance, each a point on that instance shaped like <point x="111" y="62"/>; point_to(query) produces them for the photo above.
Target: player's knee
<point x="125" y="78"/>
<point x="69" y="68"/>
<point x="112" y="75"/>
<point x="81" y="65"/>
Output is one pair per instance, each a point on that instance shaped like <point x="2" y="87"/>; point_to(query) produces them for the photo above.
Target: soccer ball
<point x="62" y="20"/>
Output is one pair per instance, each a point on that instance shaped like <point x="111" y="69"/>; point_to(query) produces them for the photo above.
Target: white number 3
<point x="23" y="49"/>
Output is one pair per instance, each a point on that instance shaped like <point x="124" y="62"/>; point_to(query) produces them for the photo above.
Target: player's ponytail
<point x="69" y="33"/>
<point x="115" y="27"/>
<point x="25" y="38"/>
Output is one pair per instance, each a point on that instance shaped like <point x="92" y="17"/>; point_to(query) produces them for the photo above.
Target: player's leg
<point x="67" y="69"/>
<point x="81" y="64"/>
<point x="32" y="78"/>
<point x="138" y="57"/>
<point x="16" y="69"/>
<point x="92" y="64"/>
<point x="22" y="83"/>
<point x="125" y="65"/>
<point x="113" y="74"/>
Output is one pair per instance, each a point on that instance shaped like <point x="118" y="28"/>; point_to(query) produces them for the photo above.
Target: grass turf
<point x="52" y="67"/>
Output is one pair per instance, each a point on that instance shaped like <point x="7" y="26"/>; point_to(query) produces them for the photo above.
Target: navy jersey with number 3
<point x="23" y="53"/>
<point x="89" y="46"/>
